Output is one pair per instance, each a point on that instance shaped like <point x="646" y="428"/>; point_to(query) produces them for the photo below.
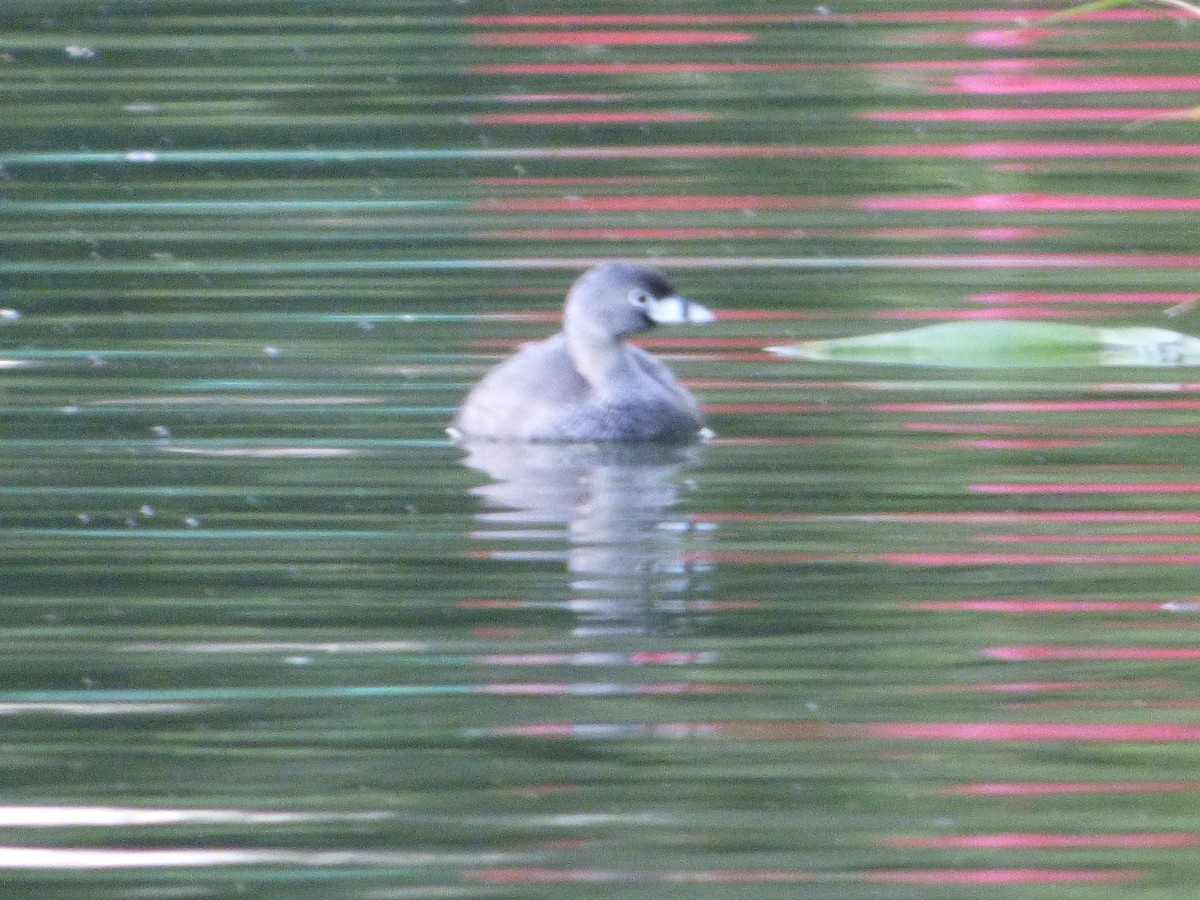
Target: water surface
<point x="899" y="631"/>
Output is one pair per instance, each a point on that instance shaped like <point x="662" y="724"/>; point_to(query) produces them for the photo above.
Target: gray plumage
<point x="585" y="383"/>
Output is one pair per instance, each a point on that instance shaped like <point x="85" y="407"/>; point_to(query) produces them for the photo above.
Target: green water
<point x="898" y="631"/>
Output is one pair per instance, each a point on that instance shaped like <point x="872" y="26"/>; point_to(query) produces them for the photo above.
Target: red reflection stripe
<point x="1090" y="84"/>
<point x="589" y="118"/>
<point x="1020" y="841"/>
<point x="1032" y="652"/>
<point x="1040" y="788"/>
<point x="1074" y="114"/>
<point x="1001" y="38"/>
<point x="1023" y="38"/>
<point x="1026" y="203"/>
<point x="611" y="38"/>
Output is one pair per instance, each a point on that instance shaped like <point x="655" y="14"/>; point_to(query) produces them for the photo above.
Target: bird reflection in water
<point x="610" y="506"/>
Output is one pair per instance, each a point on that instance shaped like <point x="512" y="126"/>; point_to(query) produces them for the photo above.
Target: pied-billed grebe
<point x="585" y="383"/>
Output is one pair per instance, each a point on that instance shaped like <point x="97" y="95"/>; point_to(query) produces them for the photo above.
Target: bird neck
<point x="603" y="362"/>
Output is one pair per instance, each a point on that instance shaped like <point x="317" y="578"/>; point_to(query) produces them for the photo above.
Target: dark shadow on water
<point x="607" y="509"/>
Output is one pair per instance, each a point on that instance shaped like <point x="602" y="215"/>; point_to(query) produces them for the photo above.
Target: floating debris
<point x="1007" y="344"/>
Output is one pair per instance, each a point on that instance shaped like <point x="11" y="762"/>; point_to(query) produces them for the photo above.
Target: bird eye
<point x="639" y="298"/>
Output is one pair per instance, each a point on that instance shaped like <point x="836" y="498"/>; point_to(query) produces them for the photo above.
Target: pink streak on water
<point x="1090" y="84"/>
<point x="1025" y="203"/>
<point x="1020" y="149"/>
<point x="999" y="38"/>
<point x="1049" y="841"/>
<point x="1018" y="114"/>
